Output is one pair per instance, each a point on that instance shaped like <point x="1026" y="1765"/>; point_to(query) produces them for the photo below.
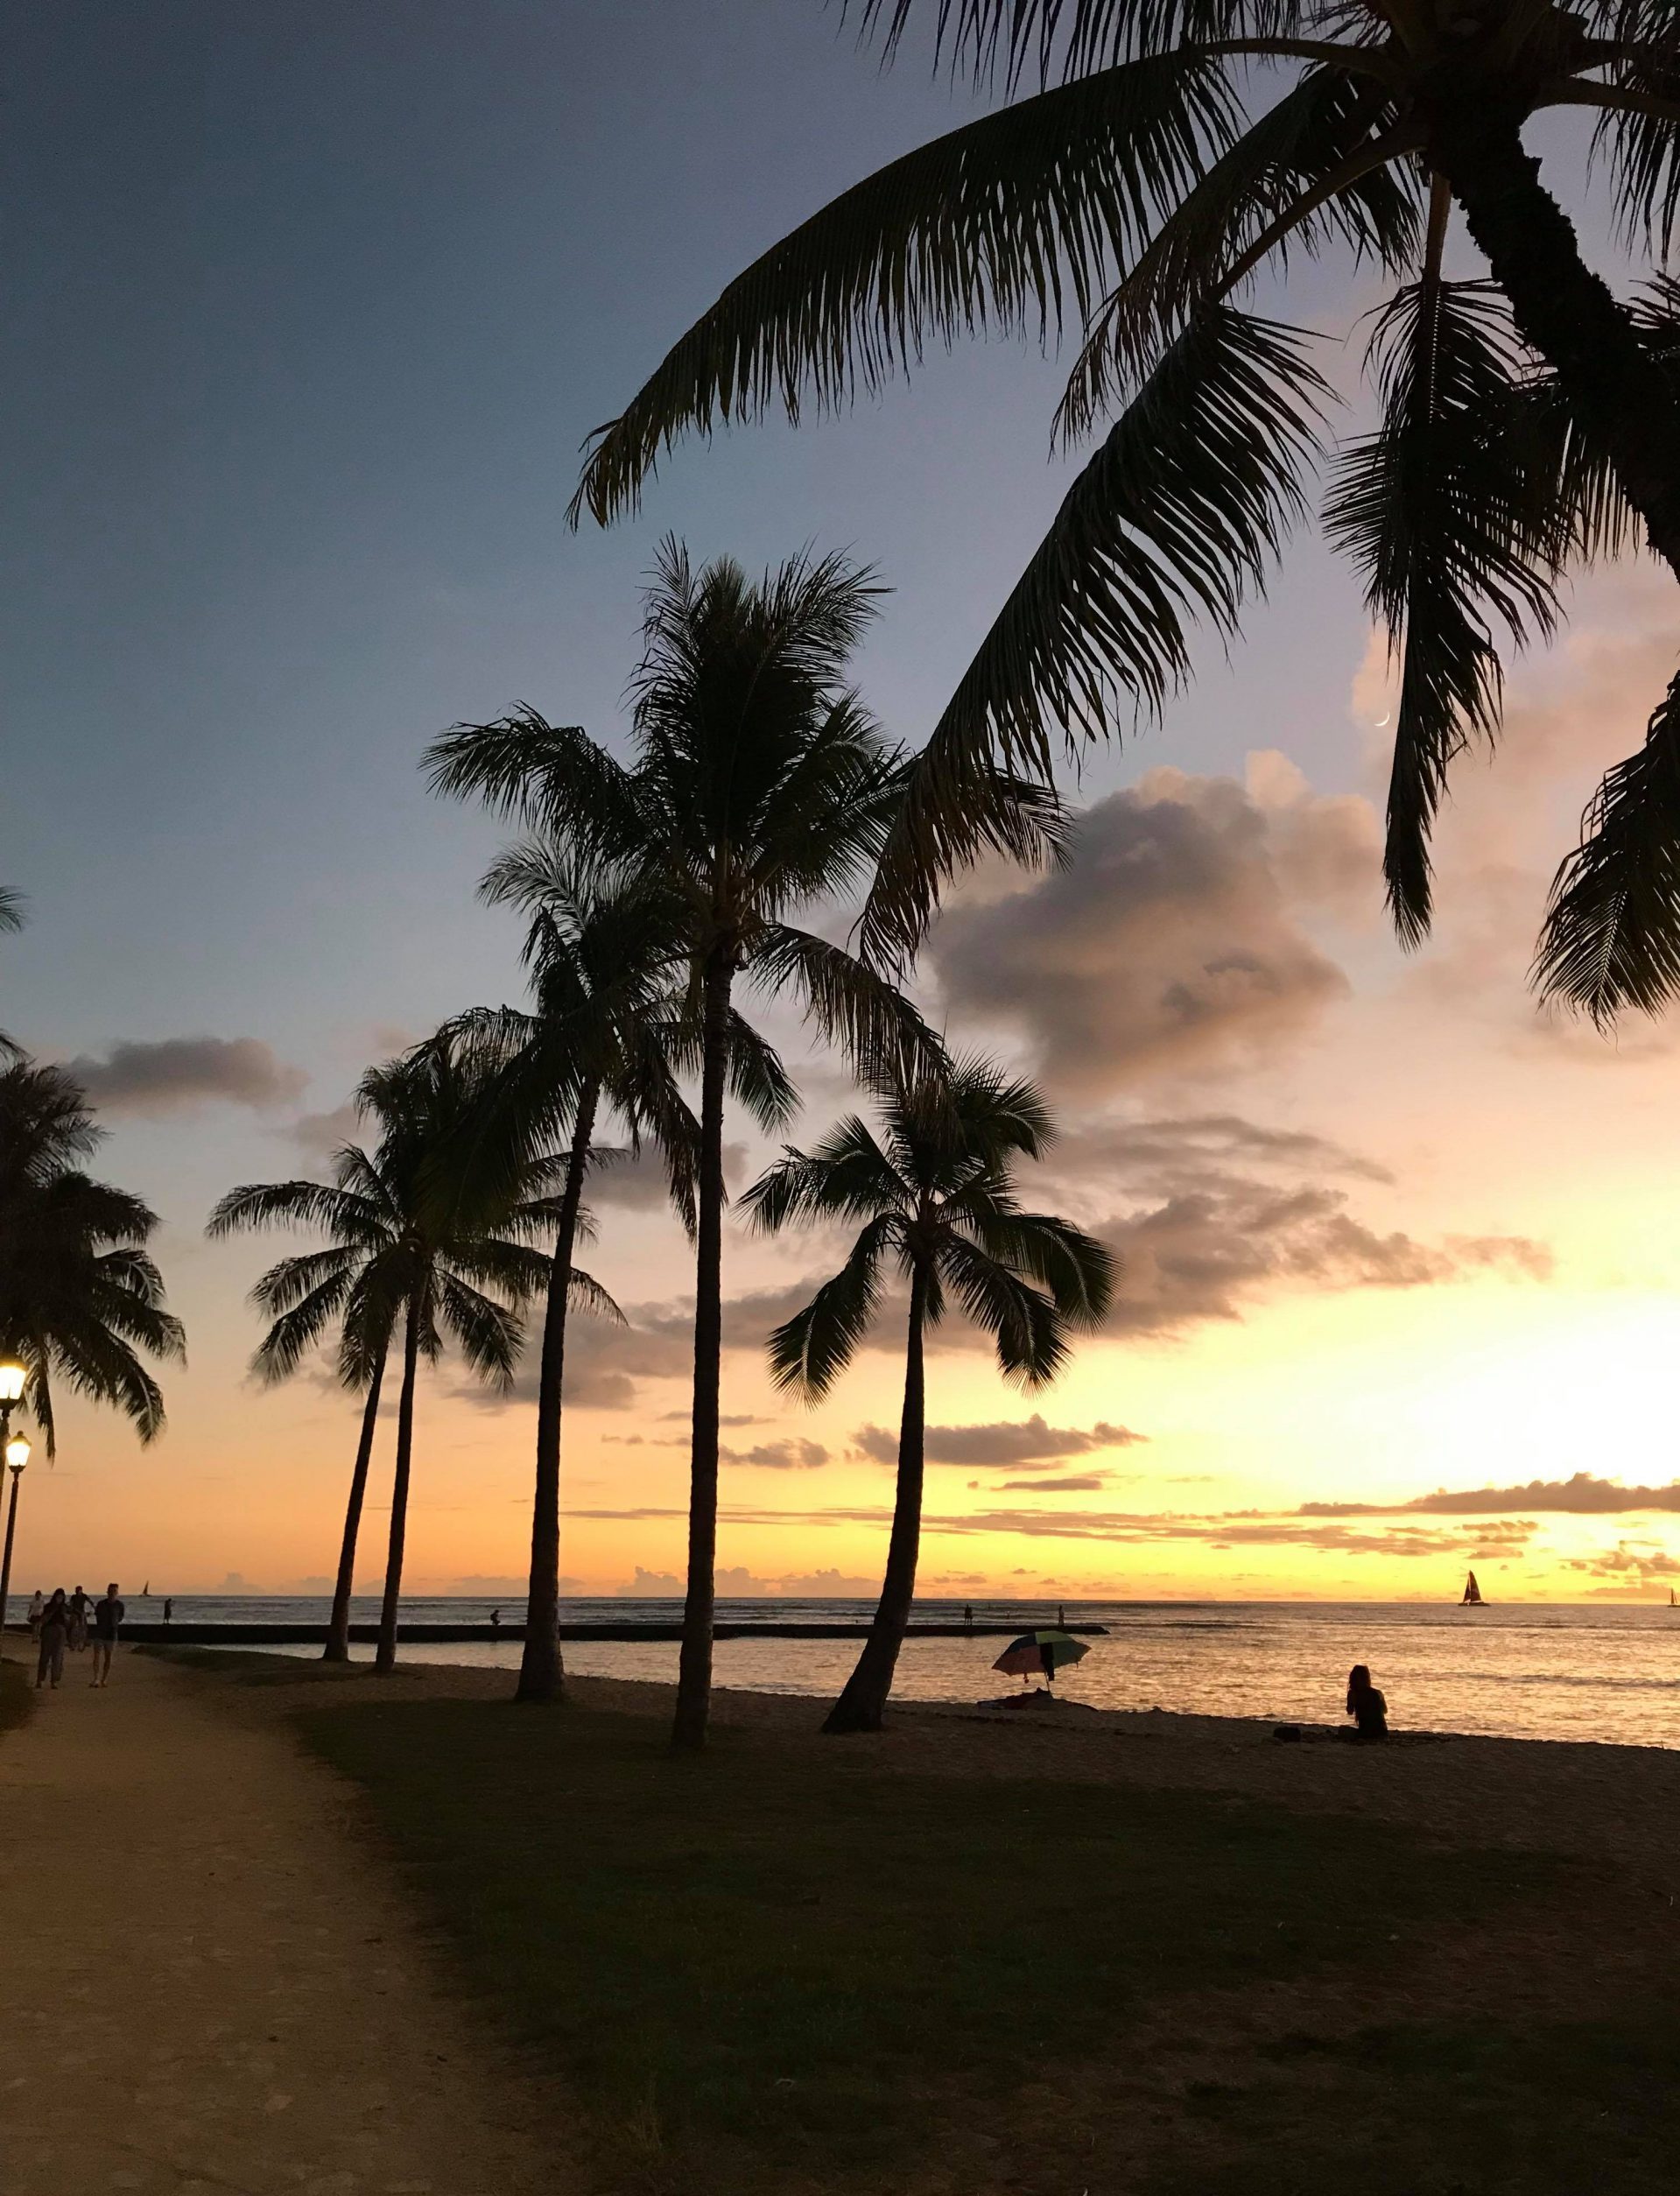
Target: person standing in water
<point x="1367" y="1706"/>
<point x="55" y="1632"/>
<point x="107" y="1621"/>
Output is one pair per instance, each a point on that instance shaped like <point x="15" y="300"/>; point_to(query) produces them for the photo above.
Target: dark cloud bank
<point x="177" y="1072"/>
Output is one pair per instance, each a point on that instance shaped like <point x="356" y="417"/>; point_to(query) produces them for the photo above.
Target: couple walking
<point x="64" y="1624"/>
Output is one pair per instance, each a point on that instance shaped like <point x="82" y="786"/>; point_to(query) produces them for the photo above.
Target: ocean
<point x="1523" y="1670"/>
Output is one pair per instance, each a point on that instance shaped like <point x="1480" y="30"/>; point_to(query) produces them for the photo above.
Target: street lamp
<point x="13" y="1379"/>
<point x="17" y="1457"/>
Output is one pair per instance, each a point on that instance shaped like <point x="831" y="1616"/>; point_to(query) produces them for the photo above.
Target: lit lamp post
<point x="12" y="1378"/>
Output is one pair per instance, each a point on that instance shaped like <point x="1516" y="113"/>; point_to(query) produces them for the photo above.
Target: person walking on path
<point x="55" y="1633"/>
<point x="79" y="1604"/>
<point x="107" y="1621"/>
<point x="37" y="1609"/>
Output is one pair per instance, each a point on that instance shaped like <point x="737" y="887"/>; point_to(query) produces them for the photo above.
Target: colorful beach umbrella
<point x="1036" y="1652"/>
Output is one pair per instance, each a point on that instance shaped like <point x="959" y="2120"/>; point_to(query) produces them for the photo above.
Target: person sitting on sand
<point x="1367" y="1706"/>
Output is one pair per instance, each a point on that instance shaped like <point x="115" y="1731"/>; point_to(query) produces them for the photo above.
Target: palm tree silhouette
<point x="425" y="1234"/>
<point x="1527" y="424"/>
<point x="602" y="1035"/>
<point x="761" y="788"/>
<point x="80" y="1296"/>
<point x="935" y="1196"/>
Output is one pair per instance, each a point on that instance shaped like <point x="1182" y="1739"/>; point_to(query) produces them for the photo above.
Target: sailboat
<point x="1472" y="1594"/>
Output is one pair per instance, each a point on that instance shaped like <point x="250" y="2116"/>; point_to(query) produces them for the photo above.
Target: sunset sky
<point x="311" y="309"/>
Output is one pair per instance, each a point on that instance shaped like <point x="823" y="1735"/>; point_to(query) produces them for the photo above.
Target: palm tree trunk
<point x="694" y="1668"/>
<point x="338" y="1625"/>
<point x="1564" y="309"/>
<point x="542" y="1672"/>
<point x="385" y="1659"/>
<point x="863" y="1702"/>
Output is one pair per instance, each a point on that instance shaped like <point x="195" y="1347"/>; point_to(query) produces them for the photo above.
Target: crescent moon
<point x="1382" y="721"/>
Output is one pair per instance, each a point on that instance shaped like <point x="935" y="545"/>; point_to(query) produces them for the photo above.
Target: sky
<point x="311" y="309"/>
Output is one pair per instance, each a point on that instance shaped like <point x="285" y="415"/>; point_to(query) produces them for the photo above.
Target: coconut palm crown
<point x="80" y="1298"/>
<point x="935" y="1194"/>
<point x="1174" y="151"/>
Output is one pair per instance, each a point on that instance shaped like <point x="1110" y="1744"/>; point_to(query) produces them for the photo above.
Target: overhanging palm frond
<point x="981" y="229"/>
<point x="11" y="909"/>
<point x="554" y="778"/>
<point x="1262" y="197"/>
<point x="1178" y="514"/>
<point x="983" y="38"/>
<point x="1022" y="1320"/>
<point x="1437" y="513"/>
<point x="1611" y="938"/>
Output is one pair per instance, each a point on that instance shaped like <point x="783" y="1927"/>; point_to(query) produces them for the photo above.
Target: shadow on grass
<point x="779" y="1966"/>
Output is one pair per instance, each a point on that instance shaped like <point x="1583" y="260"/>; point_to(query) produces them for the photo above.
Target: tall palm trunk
<point x="338" y="1625"/>
<point x="694" y="1668"/>
<point x="542" y="1672"/>
<point x="863" y="1702"/>
<point x="1564" y="309"/>
<point x="385" y="1655"/>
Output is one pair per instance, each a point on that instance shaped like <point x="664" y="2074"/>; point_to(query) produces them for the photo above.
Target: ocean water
<point x="1520" y="1669"/>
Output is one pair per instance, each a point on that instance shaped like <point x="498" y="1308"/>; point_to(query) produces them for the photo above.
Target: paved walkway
<point x="210" y="1987"/>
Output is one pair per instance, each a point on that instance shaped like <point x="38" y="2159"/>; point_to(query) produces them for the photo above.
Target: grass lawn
<point x="781" y="1968"/>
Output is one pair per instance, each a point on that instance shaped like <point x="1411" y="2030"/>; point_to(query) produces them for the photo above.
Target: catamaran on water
<point x="1472" y="1594"/>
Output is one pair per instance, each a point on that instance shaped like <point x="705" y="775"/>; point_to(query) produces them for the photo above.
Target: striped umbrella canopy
<point x="1041" y="1652"/>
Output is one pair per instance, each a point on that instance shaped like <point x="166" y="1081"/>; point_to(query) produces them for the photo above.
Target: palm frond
<point x="983" y="38"/>
<point x="1178" y="514"/>
<point x="809" y="1351"/>
<point x="1265" y="195"/>
<point x="1436" y="511"/>
<point x="11" y="909"/>
<point x="1611" y="935"/>
<point x="1030" y="1335"/>
<point x="585" y="1293"/>
<point x="983" y="229"/>
<point x="854" y="1006"/>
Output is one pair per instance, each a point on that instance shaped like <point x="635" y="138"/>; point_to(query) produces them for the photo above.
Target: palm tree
<point x="11" y="918"/>
<point x="760" y="788"/>
<point x="601" y="1036"/>
<point x="305" y="1295"/>
<point x="934" y="1193"/>
<point x="1525" y="424"/>
<point x="422" y="1236"/>
<point x="80" y="1296"/>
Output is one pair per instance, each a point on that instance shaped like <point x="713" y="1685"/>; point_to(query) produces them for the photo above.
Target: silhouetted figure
<point x="1367" y="1706"/>
<point x="37" y="1608"/>
<point x="496" y="1620"/>
<point x="108" y="1623"/>
<point x="169" y="1612"/>
<point x="1061" y="1618"/>
<point x="79" y="1605"/>
<point x="55" y="1633"/>
<point x="968" y="1615"/>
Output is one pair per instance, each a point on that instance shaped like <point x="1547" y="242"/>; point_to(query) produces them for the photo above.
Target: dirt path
<point x="227" y="1996"/>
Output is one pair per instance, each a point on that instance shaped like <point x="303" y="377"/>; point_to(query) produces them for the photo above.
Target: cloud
<point x="1080" y="1483"/>
<point x="1005" y="1441"/>
<point x="1208" y="1211"/>
<point x="175" y="1073"/>
<point x="1171" y="941"/>
<point x="736" y="1583"/>
<point x="1580" y="1495"/>
<point x="319" y="1135"/>
<point x="640" y="1184"/>
<point x="779" y="1456"/>
<point x="1632" y="1567"/>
